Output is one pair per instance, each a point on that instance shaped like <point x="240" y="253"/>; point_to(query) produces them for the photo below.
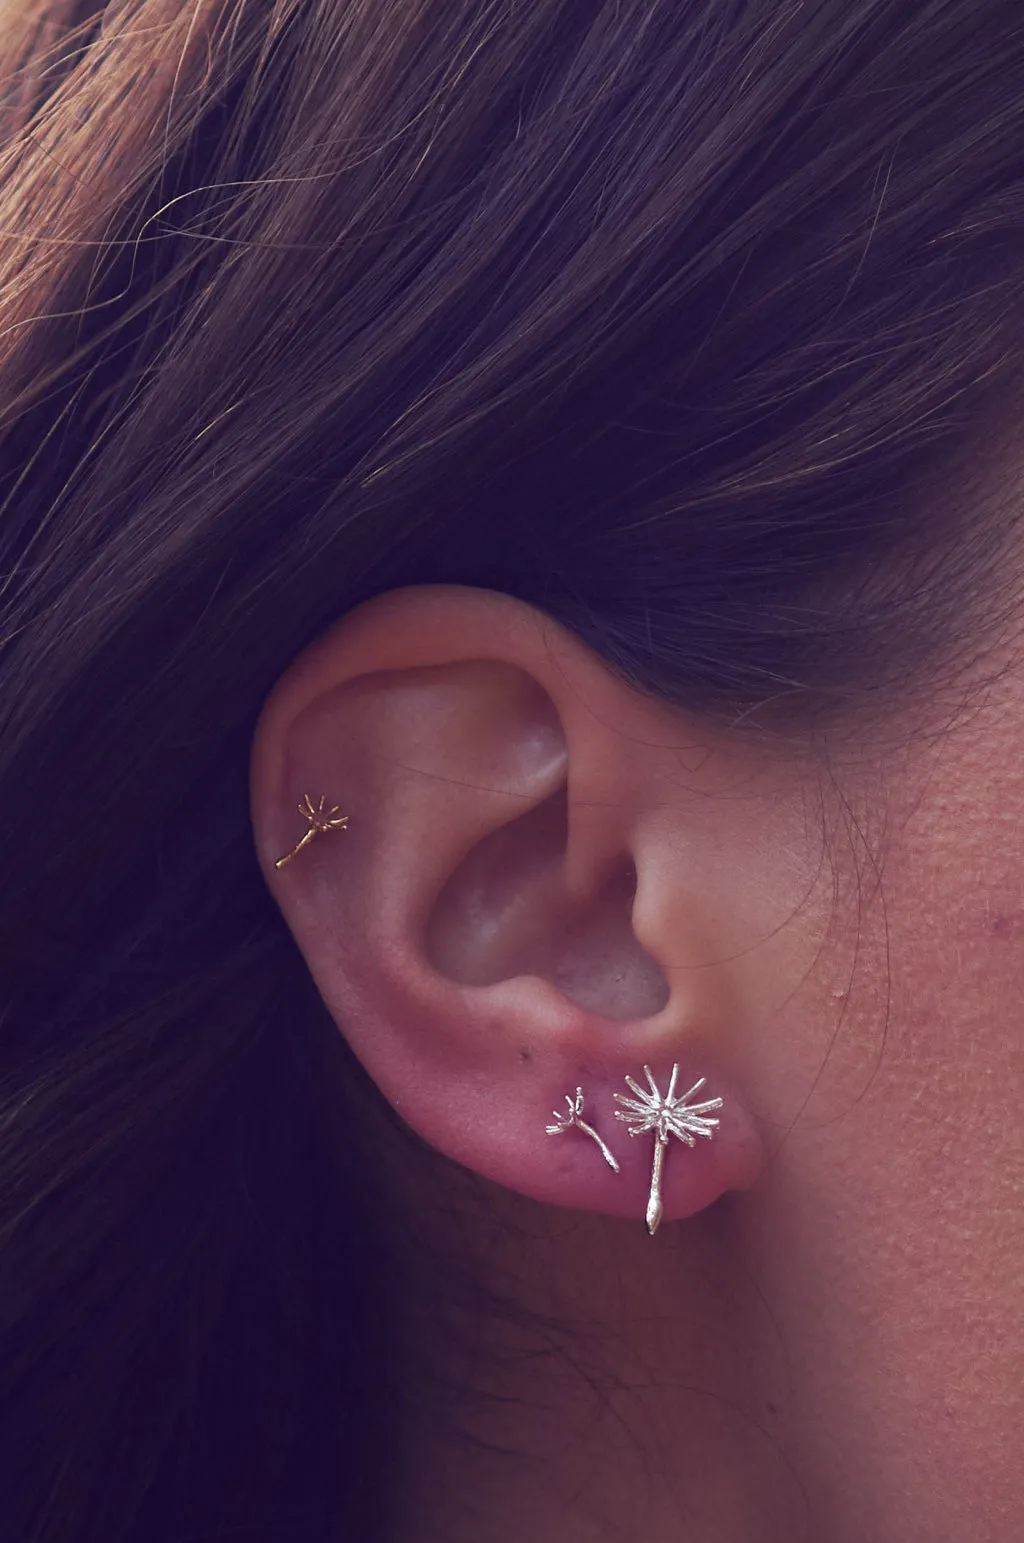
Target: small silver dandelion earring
<point x="668" y="1116"/>
<point x="319" y="820"/>
<point x="574" y="1118"/>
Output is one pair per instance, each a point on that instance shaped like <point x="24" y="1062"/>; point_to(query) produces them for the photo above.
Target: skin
<point x="823" y="1341"/>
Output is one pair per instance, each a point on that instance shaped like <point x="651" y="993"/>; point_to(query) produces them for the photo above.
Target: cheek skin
<point x="900" y="1188"/>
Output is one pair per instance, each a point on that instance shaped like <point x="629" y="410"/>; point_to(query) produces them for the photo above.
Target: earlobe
<point x="456" y="829"/>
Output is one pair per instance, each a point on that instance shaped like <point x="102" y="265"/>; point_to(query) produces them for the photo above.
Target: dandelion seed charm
<point x="319" y="820"/>
<point x="668" y="1116"/>
<point x="574" y="1117"/>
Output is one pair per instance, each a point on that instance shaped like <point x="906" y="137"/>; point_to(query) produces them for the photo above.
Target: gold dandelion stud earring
<point x="319" y="820"/>
<point x="574" y="1118"/>
<point x="668" y="1116"/>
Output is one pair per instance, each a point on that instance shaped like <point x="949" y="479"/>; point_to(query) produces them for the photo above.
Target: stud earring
<point x="574" y="1117"/>
<point x="319" y="820"/>
<point x="668" y="1116"/>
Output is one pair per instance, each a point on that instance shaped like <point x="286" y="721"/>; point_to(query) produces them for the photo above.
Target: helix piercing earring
<point x="319" y="820"/>
<point x="564" y="1122"/>
<point x="668" y="1116"/>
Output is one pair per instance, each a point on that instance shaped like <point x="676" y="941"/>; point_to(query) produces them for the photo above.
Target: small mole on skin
<point x="524" y="1056"/>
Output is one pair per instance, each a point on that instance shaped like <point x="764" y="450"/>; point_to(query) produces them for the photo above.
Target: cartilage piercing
<point x="319" y="821"/>
<point x="574" y="1118"/>
<point x="668" y="1116"/>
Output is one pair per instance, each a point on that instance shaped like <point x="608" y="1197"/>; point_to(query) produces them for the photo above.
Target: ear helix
<point x="650" y="1110"/>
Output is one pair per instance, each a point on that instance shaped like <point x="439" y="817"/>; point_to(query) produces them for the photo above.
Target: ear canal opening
<point x="505" y="912"/>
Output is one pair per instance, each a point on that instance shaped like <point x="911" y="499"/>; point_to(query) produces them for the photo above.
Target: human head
<point x="684" y="332"/>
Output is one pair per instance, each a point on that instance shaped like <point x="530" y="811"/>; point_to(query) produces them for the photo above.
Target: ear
<point x="547" y="882"/>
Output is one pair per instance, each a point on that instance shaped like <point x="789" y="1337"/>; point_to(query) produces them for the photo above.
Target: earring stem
<point x="588" y="1130"/>
<point x="654" y="1205"/>
<point x="310" y="833"/>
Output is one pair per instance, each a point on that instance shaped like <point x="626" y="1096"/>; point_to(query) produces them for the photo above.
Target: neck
<point x="625" y="1388"/>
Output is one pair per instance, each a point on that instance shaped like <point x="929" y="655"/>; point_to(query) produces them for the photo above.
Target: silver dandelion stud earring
<point x="573" y="1119"/>
<point x="319" y="819"/>
<point x="668" y="1116"/>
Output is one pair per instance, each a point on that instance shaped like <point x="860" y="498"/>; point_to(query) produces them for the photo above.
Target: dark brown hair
<point x="660" y="314"/>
